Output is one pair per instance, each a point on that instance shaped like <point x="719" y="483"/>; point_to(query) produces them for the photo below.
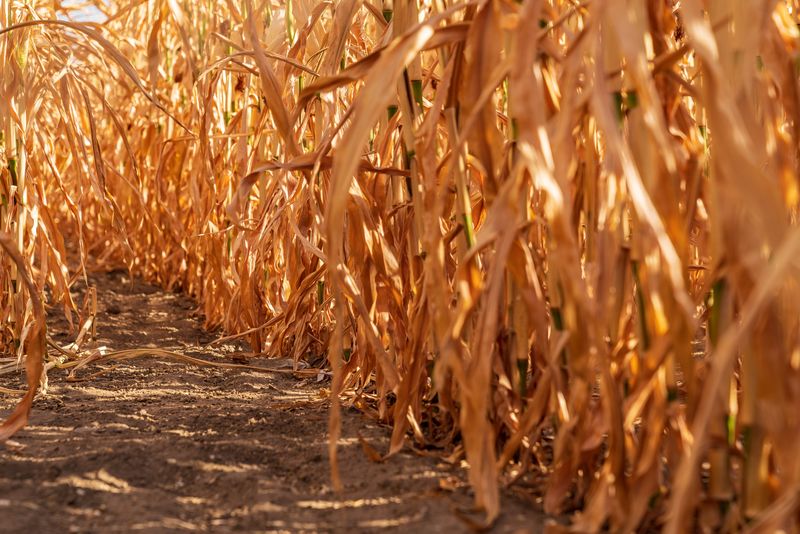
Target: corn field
<point x="557" y="238"/>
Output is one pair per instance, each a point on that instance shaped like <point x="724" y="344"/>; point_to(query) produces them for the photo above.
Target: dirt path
<point x="165" y="447"/>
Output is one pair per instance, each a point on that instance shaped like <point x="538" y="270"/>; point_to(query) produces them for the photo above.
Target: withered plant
<point x="556" y="237"/>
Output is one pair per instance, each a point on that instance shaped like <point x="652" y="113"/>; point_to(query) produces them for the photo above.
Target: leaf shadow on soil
<point x="157" y="446"/>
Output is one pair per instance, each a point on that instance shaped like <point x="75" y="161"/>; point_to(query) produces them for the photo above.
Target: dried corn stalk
<point x="559" y="234"/>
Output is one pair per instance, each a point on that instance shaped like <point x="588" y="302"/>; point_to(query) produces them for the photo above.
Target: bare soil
<point x="155" y="446"/>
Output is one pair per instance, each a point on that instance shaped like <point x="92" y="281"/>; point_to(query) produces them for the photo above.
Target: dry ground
<point x="155" y="446"/>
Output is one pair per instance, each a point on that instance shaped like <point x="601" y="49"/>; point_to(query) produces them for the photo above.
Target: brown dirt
<point x="156" y="446"/>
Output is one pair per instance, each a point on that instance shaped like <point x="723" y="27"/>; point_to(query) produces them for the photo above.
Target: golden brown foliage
<point x="556" y="237"/>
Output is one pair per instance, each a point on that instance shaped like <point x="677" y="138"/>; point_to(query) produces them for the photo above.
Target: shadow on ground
<point x="163" y="447"/>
